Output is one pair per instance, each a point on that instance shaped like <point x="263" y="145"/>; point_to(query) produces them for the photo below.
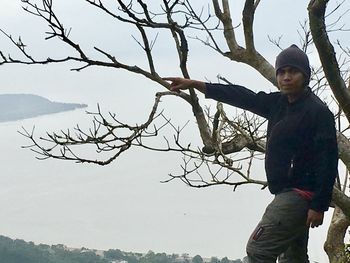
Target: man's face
<point x="290" y="81"/>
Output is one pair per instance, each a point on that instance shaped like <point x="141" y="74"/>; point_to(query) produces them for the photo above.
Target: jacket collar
<point x="306" y="93"/>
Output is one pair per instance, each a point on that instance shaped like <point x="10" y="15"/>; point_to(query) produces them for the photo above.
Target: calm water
<point x="123" y="205"/>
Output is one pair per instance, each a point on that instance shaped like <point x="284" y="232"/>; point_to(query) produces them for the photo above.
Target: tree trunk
<point x="317" y="10"/>
<point x="334" y="245"/>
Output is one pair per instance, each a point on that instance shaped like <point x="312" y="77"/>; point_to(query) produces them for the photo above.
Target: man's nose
<point x="286" y="76"/>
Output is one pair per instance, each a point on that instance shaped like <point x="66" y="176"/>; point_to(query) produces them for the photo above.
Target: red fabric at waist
<point x="304" y="194"/>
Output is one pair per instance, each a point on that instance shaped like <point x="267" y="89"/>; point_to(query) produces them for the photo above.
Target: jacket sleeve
<point x="326" y="160"/>
<point x="241" y="97"/>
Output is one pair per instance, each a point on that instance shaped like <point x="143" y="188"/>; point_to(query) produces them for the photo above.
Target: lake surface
<point x="123" y="205"/>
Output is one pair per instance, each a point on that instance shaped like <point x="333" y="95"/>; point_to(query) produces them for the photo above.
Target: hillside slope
<point x="20" y="251"/>
<point x="23" y="106"/>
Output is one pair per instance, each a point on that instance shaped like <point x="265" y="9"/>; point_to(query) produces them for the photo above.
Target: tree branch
<point x="237" y="53"/>
<point x="317" y="9"/>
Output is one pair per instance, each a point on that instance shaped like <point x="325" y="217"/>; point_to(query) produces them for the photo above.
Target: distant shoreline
<point x="15" y="107"/>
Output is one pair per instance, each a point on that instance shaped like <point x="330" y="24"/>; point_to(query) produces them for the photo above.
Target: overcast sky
<point x="124" y="205"/>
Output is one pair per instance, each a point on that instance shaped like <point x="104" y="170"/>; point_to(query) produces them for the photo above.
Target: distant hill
<point x="20" y="251"/>
<point x="15" y="107"/>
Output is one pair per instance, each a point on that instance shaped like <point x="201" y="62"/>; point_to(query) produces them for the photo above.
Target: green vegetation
<point x="19" y="251"/>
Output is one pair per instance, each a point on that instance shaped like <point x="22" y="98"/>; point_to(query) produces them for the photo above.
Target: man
<point x="301" y="156"/>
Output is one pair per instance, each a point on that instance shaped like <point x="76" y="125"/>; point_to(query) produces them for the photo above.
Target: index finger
<point x="169" y="78"/>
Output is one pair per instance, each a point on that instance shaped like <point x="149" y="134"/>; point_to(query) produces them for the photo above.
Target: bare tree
<point x="229" y="146"/>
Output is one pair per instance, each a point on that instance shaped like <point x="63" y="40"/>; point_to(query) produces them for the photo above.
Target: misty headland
<point x="15" y="107"/>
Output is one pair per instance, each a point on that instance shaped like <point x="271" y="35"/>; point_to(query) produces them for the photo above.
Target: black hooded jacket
<point x="301" y="149"/>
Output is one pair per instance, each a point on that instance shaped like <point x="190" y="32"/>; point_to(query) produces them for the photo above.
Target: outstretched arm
<point x="259" y="103"/>
<point x="178" y="84"/>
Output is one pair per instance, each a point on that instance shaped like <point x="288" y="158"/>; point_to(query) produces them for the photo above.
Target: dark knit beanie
<point x="294" y="57"/>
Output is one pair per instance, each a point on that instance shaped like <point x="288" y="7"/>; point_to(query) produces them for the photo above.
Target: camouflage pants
<point x="282" y="232"/>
